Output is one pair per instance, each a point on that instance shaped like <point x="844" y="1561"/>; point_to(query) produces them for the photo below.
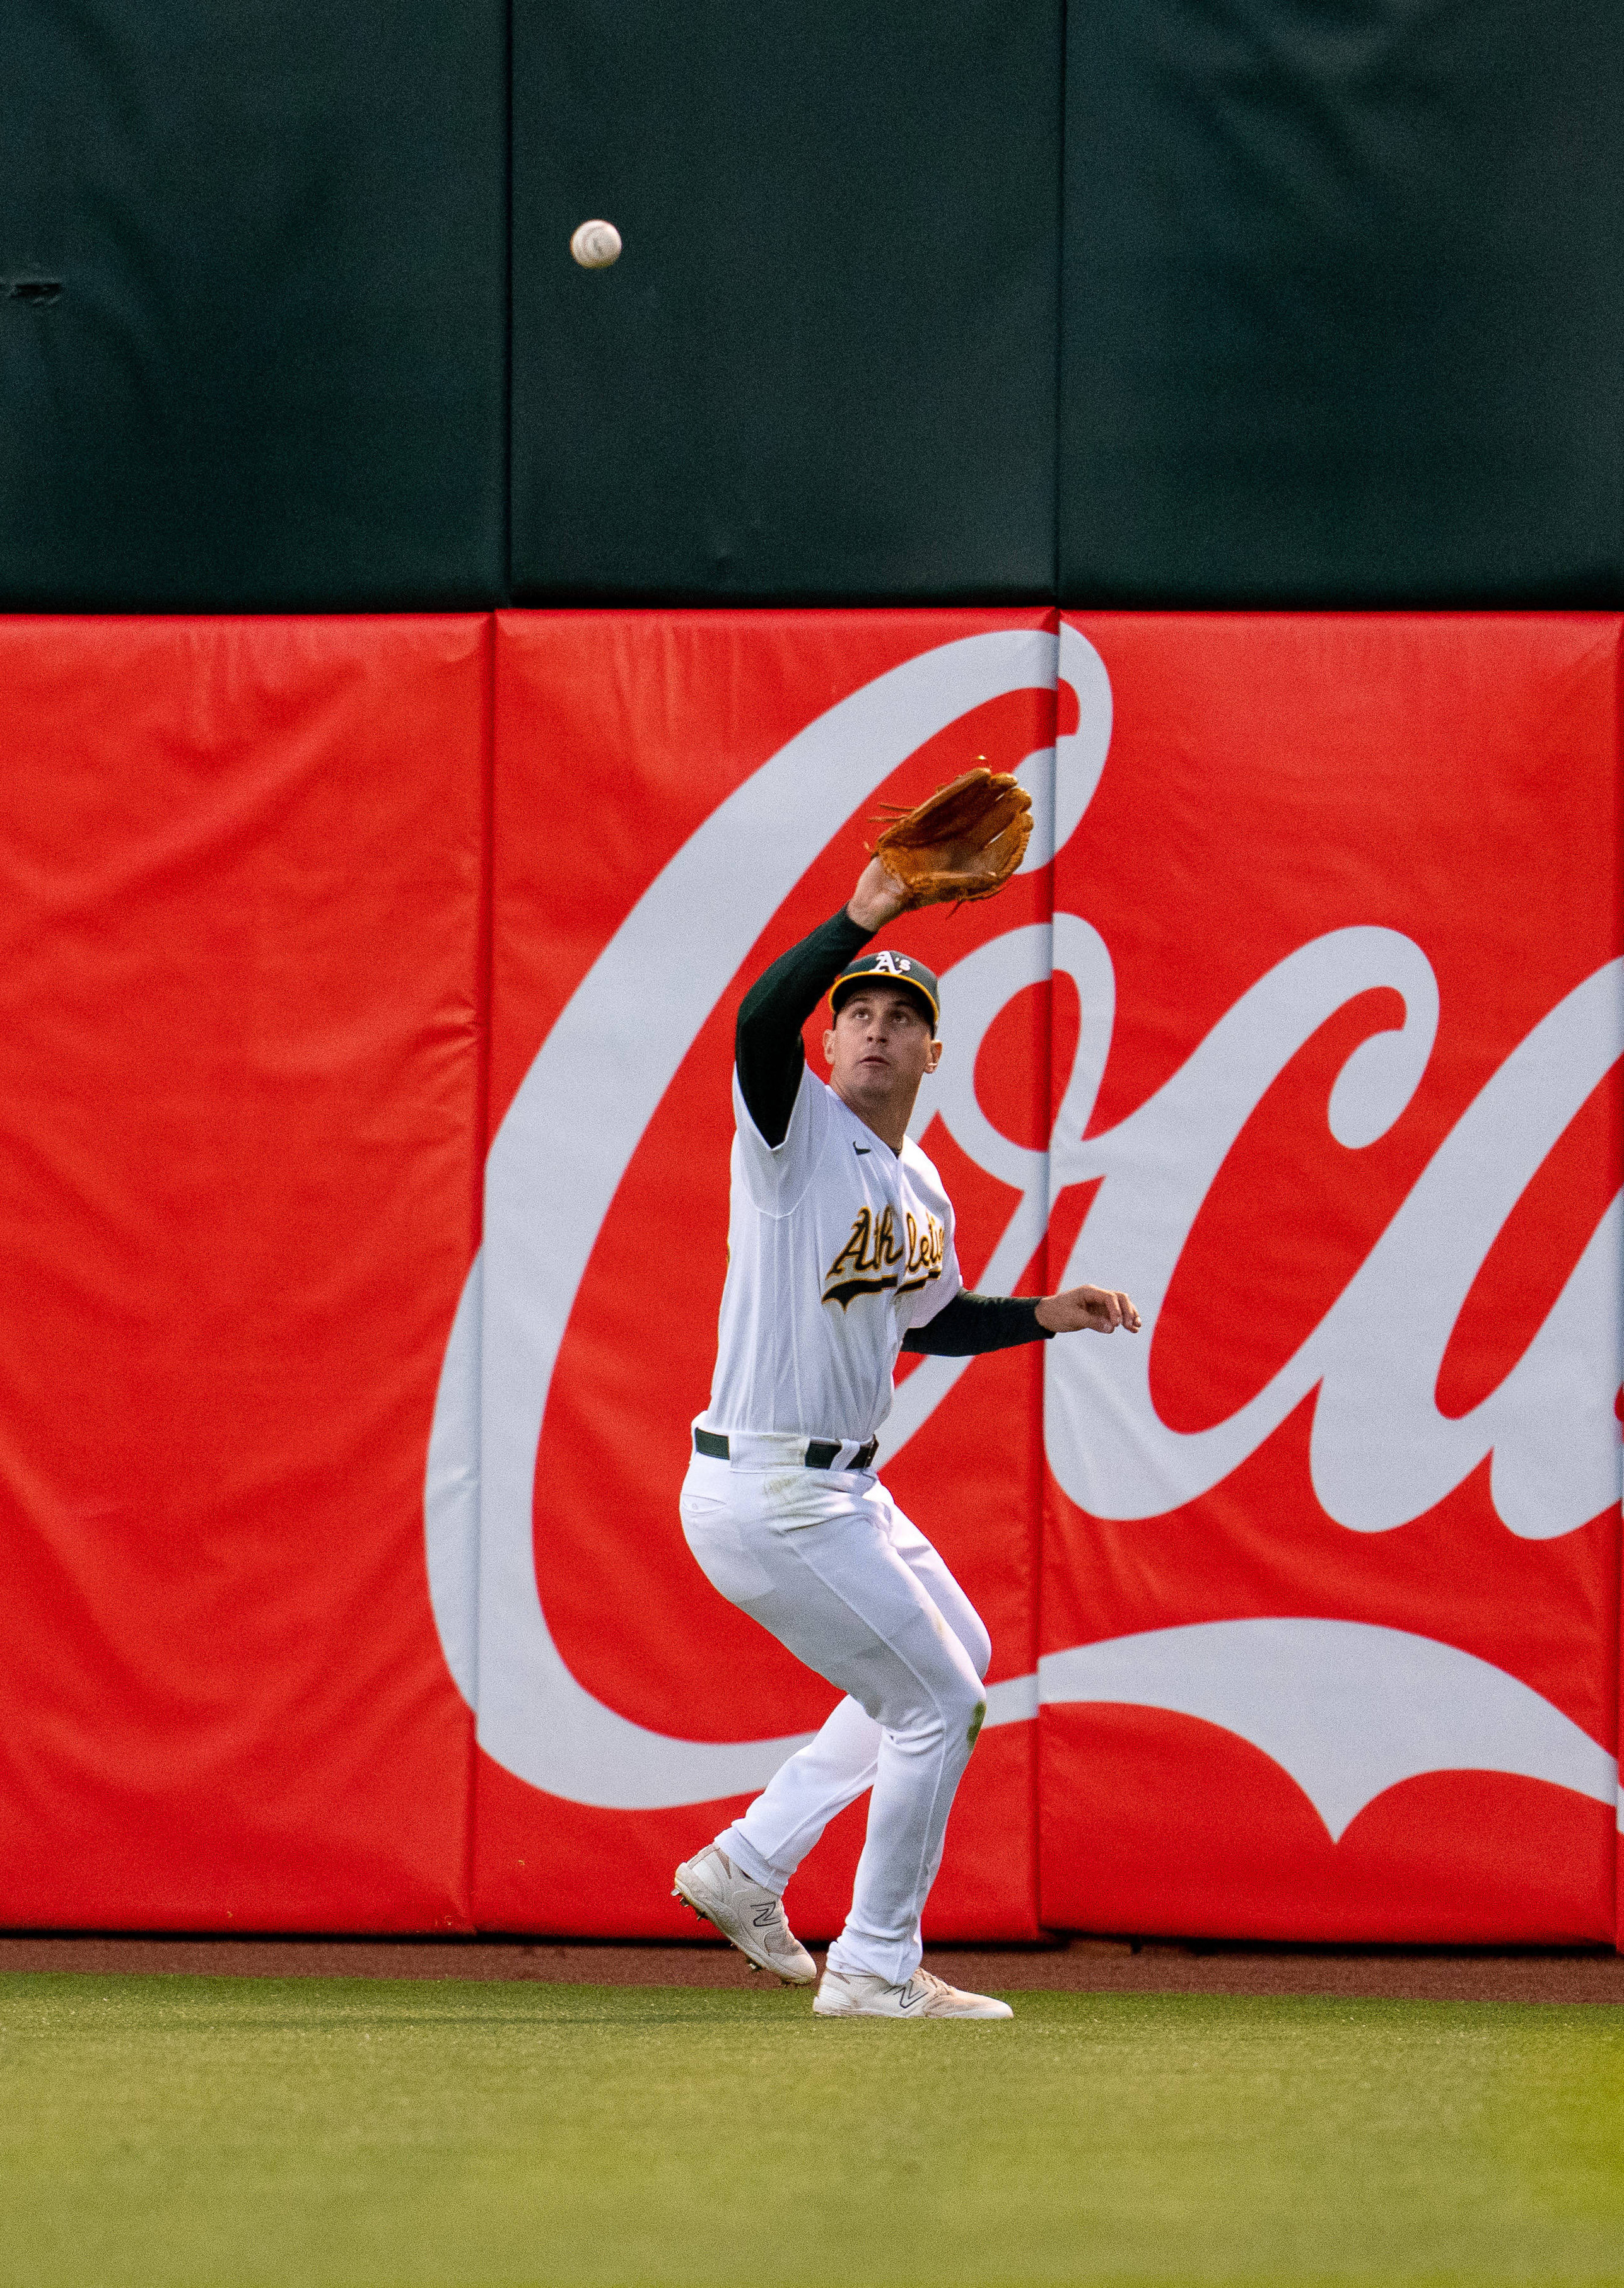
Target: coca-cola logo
<point x="1348" y="1708"/>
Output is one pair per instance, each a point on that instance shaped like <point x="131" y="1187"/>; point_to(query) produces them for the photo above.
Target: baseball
<point x="596" y="245"/>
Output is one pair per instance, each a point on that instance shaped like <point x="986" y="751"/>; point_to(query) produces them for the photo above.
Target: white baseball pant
<point x="826" y="1562"/>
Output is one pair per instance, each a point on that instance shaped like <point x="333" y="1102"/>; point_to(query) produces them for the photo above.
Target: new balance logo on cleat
<point x="743" y="1912"/>
<point x="856" y="1994"/>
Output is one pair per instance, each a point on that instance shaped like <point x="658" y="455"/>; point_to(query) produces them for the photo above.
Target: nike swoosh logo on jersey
<point x="862" y="1151"/>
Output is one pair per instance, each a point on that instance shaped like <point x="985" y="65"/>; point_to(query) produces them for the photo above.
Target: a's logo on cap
<point x="920" y="982"/>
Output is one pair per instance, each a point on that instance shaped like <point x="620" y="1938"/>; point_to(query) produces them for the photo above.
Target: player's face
<point x="879" y="1046"/>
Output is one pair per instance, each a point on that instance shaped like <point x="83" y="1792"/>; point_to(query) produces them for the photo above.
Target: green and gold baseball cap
<point x="889" y="969"/>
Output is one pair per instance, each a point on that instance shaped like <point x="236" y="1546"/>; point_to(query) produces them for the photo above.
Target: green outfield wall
<point x="1199" y="301"/>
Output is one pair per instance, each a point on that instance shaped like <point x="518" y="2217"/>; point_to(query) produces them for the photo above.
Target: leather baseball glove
<point x="964" y="841"/>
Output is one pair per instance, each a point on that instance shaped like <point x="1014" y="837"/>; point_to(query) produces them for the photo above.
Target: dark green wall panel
<point x="1342" y="319"/>
<point x="1344" y="302"/>
<point x="824" y="365"/>
<point x="274" y="375"/>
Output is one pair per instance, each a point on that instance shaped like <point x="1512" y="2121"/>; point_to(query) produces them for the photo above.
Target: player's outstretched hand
<point x="1087" y="1310"/>
<point x="879" y="897"/>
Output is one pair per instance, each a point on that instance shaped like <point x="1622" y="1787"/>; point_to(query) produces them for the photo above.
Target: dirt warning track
<point x="1104" y="1965"/>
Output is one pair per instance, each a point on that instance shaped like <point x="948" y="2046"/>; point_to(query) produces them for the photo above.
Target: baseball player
<point x="841" y="1254"/>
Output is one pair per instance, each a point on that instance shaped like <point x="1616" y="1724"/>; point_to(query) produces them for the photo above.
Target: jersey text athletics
<point x="872" y="1261"/>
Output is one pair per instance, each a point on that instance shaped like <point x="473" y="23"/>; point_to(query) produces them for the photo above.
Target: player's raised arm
<point x="767" y="1043"/>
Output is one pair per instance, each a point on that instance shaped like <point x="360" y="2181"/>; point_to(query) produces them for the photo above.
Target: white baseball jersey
<point x="836" y="1246"/>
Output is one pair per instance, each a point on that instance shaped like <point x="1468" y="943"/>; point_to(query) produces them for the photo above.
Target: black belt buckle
<point x="821" y="1455"/>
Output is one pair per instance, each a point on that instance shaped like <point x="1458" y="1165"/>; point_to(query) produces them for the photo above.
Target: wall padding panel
<point x="241" y="935"/>
<point x="823" y="367"/>
<point x="1341" y="311"/>
<point x="733" y="760"/>
<point x="252" y="300"/>
<point x="1329" y="1601"/>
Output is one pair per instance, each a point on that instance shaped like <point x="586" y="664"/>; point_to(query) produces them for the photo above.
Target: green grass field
<point x="224" y="2131"/>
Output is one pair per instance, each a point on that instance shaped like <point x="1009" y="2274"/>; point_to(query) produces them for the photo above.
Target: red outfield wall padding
<point x="239" y="1018"/>
<point x="1331" y="1577"/>
<point x="1324" y="1573"/>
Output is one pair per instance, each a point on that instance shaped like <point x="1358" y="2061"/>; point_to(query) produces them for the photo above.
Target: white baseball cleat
<point x="854" y="1994"/>
<point x="743" y="1912"/>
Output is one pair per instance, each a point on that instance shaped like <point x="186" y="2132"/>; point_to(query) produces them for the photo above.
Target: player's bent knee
<point x="966" y="1711"/>
<point x="953" y="1712"/>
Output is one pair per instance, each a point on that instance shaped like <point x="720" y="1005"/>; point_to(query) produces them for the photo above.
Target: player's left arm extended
<point x="766" y="1044"/>
<point x="972" y="1323"/>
